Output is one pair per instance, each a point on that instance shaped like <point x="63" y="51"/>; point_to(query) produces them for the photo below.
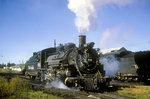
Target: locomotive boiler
<point x="75" y="66"/>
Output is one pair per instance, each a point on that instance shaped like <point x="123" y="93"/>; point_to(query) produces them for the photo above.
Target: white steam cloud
<point x="111" y="65"/>
<point x="57" y="84"/>
<point x="86" y="11"/>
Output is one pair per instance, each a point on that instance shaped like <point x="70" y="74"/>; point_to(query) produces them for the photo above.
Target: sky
<point x="27" y="26"/>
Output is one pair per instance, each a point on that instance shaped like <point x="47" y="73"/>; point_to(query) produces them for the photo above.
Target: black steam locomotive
<point x="75" y="66"/>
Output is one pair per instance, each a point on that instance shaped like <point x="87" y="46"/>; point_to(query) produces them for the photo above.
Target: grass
<point x="17" y="88"/>
<point x="41" y="95"/>
<point x="30" y="94"/>
<point x="138" y="92"/>
<point x="4" y="70"/>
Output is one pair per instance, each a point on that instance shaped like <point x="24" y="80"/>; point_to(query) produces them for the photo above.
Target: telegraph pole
<point x="54" y="43"/>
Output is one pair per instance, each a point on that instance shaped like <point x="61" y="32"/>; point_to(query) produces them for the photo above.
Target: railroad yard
<point x="74" y="49"/>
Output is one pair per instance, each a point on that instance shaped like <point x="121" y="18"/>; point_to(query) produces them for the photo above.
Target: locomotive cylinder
<point x="82" y="41"/>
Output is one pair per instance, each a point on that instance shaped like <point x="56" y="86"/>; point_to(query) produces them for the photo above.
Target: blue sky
<point x="27" y="26"/>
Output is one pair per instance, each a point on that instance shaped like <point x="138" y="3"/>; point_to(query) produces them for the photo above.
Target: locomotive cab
<point x="31" y="66"/>
<point x="36" y="64"/>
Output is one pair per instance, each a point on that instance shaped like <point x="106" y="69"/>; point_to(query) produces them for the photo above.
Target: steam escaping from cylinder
<point x="86" y="11"/>
<point x="111" y="64"/>
<point x="58" y="84"/>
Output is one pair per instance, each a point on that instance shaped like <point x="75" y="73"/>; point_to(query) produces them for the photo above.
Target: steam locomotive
<point x="74" y="66"/>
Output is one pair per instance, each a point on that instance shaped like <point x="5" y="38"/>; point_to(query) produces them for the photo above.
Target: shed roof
<point x="113" y="50"/>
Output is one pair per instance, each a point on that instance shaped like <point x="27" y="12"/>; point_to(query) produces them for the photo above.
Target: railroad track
<point x="72" y="94"/>
<point x="125" y="84"/>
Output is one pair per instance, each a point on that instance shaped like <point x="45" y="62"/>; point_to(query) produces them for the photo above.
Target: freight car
<point x="135" y="66"/>
<point x="74" y="66"/>
<point x="142" y="60"/>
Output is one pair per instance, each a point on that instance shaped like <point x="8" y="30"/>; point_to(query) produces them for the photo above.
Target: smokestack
<point x="82" y="40"/>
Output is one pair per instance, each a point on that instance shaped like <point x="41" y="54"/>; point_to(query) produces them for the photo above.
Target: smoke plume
<point x="105" y="36"/>
<point x="86" y="11"/>
<point x="111" y="35"/>
<point x="111" y="64"/>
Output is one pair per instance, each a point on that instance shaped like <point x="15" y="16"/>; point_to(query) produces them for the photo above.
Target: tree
<point x="10" y="64"/>
<point x="2" y="65"/>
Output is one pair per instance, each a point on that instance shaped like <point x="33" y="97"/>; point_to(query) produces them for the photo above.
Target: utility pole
<point x="54" y="43"/>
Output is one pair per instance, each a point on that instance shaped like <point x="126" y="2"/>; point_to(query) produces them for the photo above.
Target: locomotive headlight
<point x="90" y="60"/>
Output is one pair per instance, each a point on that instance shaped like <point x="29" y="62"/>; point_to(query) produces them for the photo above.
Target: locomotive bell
<point x="82" y="41"/>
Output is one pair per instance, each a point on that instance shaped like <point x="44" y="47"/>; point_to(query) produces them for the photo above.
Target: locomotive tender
<point x="74" y="66"/>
